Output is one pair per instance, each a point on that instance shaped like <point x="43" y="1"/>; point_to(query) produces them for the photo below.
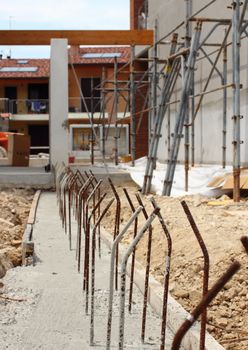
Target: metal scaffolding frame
<point x="175" y="74"/>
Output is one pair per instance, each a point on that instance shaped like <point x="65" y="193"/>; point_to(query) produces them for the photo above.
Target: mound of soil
<point x="221" y="228"/>
<point x="14" y="210"/>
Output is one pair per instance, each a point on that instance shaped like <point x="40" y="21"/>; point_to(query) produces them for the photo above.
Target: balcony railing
<point x="24" y="106"/>
<point x="41" y="106"/>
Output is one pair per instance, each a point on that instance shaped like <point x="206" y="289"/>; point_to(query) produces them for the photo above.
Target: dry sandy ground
<point x="221" y="228"/>
<point x="14" y="209"/>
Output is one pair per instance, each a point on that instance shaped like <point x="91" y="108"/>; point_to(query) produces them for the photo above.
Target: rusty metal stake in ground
<point x="88" y="253"/>
<point x="99" y="226"/>
<point x="123" y="274"/>
<point x="244" y="241"/>
<point x="167" y="275"/>
<point x="201" y="307"/>
<point x="87" y="238"/>
<point x="81" y="205"/>
<point x="93" y="248"/>
<point x="148" y="261"/>
<point x="117" y="228"/>
<point x="111" y="279"/>
<point x="205" y="271"/>
<point x="133" y="255"/>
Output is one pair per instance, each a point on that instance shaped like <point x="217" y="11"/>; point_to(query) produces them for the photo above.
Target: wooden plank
<point x="77" y="37"/>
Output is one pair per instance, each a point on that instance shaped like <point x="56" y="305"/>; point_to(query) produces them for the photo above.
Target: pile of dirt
<point x="14" y="210"/>
<point x="221" y="228"/>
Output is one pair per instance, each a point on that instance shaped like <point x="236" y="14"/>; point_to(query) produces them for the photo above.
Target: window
<point x="102" y="55"/>
<point x="91" y="94"/>
<point x="18" y="69"/>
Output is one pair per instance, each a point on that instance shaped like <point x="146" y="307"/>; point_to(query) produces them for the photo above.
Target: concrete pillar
<point x="58" y="133"/>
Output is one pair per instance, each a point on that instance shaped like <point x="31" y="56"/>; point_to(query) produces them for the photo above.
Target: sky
<point x="59" y="14"/>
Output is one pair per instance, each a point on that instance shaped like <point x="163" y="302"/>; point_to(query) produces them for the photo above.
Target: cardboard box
<point x="18" y="149"/>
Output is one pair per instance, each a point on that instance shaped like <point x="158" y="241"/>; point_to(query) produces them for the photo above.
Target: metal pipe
<point x="206" y="300"/>
<point x="205" y="273"/>
<point x="115" y="109"/>
<point x="181" y="112"/>
<point x="236" y="99"/>
<point x="133" y="106"/>
<point x="123" y="274"/>
<point x="111" y="279"/>
<point x="188" y="33"/>
<point x="224" y="82"/>
<point x="92" y="120"/>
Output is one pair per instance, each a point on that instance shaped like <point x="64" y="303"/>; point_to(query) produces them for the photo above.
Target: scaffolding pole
<point x="187" y="39"/>
<point x="236" y="99"/>
<point x="172" y="71"/>
<point x="115" y="107"/>
<point x="132" y="107"/>
<point x="224" y="82"/>
<point x="180" y="119"/>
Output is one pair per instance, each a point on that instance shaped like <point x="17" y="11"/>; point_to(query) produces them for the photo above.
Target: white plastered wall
<point x="208" y="125"/>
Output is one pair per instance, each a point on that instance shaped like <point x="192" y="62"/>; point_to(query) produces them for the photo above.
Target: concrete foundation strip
<point x="176" y="314"/>
<point x="27" y="239"/>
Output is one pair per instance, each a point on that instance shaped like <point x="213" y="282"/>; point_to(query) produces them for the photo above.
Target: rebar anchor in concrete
<point x="123" y="274"/>
<point x="201" y="307"/>
<point x="111" y="279"/>
<point x="148" y="262"/>
<point x="133" y="255"/>
<point x="93" y="248"/>
<point x="87" y="236"/>
<point x="244" y="241"/>
<point x="205" y="271"/>
<point x="81" y="211"/>
<point x="117" y="228"/>
<point x="167" y="275"/>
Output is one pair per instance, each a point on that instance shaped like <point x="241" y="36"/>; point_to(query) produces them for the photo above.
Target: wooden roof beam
<point x="77" y="37"/>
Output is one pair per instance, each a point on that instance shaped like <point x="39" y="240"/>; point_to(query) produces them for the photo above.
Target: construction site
<point x="124" y="182"/>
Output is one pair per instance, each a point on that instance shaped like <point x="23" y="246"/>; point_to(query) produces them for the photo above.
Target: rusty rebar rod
<point x="111" y="279"/>
<point x="205" y="270"/>
<point x="148" y="263"/>
<point x="133" y="255"/>
<point x="93" y="246"/>
<point x="87" y="236"/>
<point x="88" y="251"/>
<point x="201" y="307"/>
<point x="98" y="214"/>
<point x="167" y="275"/>
<point x="244" y="241"/>
<point x="123" y="274"/>
<point x="81" y="200"/>
<point x="116" y="228"/>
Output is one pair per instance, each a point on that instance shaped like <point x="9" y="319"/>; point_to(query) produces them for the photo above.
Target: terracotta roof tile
<point x="43" y="68"/>
<point x="76" y="57"/>
<point x="79" y="58"/>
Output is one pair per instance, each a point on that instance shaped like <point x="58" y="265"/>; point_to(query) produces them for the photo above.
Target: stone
<point x="222" y="322"/>
<point x="180" y="293"/>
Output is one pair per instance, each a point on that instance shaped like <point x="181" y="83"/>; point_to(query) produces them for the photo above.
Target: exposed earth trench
<point x="14" y="209"/>
<point x="221" y="227"/>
